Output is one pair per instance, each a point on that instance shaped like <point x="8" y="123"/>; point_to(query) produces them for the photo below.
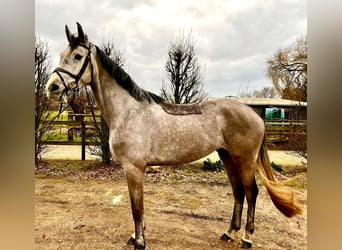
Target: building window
<point x="275" y="113"/>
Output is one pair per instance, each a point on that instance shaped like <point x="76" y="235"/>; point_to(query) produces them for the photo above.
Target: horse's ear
<point x="68" y="34"/>
<point x="80" y="33"/>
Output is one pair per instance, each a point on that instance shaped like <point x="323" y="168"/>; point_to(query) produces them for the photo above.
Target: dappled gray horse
<point x="145" y="131"/>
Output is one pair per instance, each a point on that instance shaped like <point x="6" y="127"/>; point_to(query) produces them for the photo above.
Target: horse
<point x="147" y="131"/>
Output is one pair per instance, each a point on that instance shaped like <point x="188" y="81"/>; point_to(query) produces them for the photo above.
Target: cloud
<point x="233" y="38"/>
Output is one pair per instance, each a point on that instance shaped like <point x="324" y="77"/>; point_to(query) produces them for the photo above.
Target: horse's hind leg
<point x="246" y="166"/>
<point x="238" y="192"/>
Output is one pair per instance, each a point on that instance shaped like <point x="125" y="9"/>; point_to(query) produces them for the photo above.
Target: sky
<point x="233" y="38"/>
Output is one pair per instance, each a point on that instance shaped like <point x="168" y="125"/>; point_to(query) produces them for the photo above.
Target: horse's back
<point x="229" y="108"/>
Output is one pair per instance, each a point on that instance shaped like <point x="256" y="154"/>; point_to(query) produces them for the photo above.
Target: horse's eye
<point x="78" y="57"/>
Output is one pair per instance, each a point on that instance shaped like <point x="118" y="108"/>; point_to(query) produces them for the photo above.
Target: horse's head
<point x="74" y="70"/>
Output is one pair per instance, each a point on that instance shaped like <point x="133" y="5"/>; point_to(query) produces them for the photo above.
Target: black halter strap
<point x="77" y="77"/>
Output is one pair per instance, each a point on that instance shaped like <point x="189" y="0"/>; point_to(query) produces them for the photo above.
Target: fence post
<point x="70" y="130"/>
<point x="83" y="136"/>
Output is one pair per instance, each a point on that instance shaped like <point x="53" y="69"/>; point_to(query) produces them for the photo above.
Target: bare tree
<point x="298" y="141"/>
<point x="111" y="48"/>
<point x="288" y="71"/>
<point x="184" y="73"/>
<point x="42" y="103"/>
<point x="266" y="92"/>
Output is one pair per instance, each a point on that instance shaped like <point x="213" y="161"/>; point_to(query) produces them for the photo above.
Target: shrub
<point x="277" y="167"/>
<point x="212" y="166"/>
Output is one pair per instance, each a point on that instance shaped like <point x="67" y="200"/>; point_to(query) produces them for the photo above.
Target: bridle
<point x="77" y="77"/>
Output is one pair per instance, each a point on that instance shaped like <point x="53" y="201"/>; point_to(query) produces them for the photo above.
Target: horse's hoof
<point x="226" y="237"/>
<point x="245" y="244"/>
<point x="131" y="241"/>
<point x="139" y="245"/>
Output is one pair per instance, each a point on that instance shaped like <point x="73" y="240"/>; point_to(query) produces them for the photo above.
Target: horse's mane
<point x="125" y="81"/>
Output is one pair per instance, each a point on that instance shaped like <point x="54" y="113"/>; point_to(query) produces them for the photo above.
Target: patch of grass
<point x="53" y="114"/>
<point x="55" y="137"/>
<point x="58" y="136"/>
<point x="298" y="181"/>
<point x="40" y="176"/>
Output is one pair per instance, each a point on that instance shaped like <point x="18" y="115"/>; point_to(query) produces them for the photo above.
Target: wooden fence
<point x="279" y="133"/>
<point x="76" y="129"/>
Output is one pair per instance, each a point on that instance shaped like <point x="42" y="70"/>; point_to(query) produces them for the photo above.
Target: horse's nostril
<point x="54" y="87"/>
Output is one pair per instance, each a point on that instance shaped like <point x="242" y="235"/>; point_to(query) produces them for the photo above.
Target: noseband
<point x="77" y="77"/>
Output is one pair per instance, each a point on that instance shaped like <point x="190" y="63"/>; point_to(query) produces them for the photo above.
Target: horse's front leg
<point x="135" y="180"/>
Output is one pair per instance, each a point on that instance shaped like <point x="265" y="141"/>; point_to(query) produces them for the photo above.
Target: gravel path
<point x="73" y="152"/>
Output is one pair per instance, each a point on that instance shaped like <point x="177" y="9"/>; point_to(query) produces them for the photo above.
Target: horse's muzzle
<point x="56" y="90"/>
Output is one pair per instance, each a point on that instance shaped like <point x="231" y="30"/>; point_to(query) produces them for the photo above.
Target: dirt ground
<point x="184" y="209"/>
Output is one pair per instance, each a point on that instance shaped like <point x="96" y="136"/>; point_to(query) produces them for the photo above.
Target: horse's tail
<point x="281" y="195"/>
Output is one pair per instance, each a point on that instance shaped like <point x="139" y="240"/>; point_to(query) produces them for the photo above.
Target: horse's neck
<point x="111" y="98"/>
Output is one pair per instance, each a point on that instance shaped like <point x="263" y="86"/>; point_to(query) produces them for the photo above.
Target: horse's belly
<point x="181" y="152"/>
